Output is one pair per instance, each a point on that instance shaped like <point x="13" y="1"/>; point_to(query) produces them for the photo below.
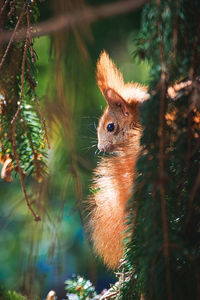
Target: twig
<point x="16" y="155"/>
<point x="12" y="9"/>
<point x="11" y="37"/>
<point x="29" y="35"/>
<point x="88" y="14"/>
<point x="3" y="7"/>
<point x="22" y="81"/>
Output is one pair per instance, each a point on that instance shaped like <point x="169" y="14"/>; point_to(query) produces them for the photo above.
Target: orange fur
<point x="114" y="175"/>
<point x="113" y="181"/>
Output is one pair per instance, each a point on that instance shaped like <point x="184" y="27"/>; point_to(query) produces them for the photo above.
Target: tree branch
<point x="161" y="134"/>
<point x="67" y="20"/>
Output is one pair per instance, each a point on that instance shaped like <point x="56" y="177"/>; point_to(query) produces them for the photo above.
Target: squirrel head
<point x="120" y="118"/>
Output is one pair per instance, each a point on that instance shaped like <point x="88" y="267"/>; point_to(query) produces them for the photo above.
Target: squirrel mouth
<point x="106" y="147"/>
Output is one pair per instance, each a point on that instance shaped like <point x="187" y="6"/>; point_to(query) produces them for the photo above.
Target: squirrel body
<point x="118" y="132"/>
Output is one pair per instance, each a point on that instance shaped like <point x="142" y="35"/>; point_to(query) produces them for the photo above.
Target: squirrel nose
<point x="101" y="147"/>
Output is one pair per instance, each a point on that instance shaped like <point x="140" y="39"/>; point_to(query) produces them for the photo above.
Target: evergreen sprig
<point x="23" y="136"/>
<point x="79" y="288"/>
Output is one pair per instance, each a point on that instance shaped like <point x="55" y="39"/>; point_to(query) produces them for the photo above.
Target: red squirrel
<point x="118" y="132"/>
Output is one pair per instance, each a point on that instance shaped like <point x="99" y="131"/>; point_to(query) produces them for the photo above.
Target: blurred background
<point x="38" y="256"/>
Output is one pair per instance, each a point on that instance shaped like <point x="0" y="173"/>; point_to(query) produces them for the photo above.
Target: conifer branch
<point x="35" y="156"/>
<point x="12" y="122"/>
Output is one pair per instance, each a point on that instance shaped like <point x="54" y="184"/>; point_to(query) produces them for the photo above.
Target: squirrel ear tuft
<point x="108" y="76"/>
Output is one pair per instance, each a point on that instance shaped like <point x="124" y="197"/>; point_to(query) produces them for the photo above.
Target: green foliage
<point x="22" y="127"/>
<point x="81" y="287"/>
<point x="162" y="257"/>
<point x="94" y="191"/>
<point x="10" y="295"/>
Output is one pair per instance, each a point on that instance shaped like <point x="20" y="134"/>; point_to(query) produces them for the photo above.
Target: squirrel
<point x="119" y="132"/>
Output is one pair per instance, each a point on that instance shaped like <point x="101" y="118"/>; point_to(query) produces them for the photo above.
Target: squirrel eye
<point x="110" y="127"/>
